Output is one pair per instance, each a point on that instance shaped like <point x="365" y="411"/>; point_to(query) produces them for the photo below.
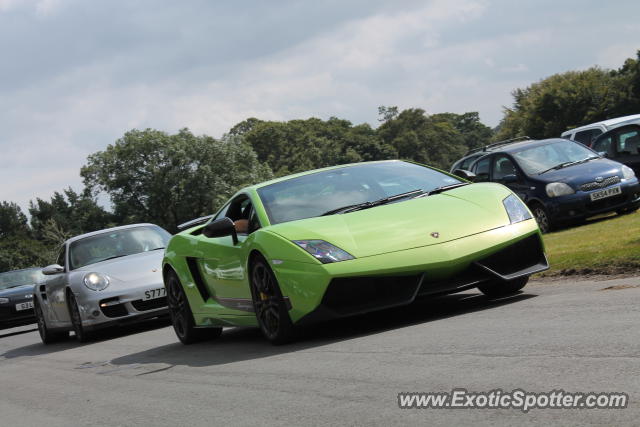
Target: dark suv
<point x="561" y="181"/>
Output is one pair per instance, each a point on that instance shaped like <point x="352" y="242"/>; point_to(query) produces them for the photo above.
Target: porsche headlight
<point x="516" y="210"/>
<point x="323" y="251"/>
<point x="96" y="281"/>
<point x="4" y="300"/>
<point x="628" y="173"/>
<point x="556" y="189"/>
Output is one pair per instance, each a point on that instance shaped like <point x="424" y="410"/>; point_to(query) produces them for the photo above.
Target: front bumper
<point x="318" y="292"/>
<point x="101" y="309"/>
<point x="579" y="205"/>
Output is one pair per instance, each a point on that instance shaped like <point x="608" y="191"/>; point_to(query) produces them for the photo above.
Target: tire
<point x="501" y="288"/>
<point x="46" y="335"/>
<point x="269" y="305"/>
<point x="182" y="316"/>
<point x="542" y="218"/>
<point x="82" y="335"/>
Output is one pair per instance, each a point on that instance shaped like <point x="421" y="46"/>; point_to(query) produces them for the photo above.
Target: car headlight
<point x="4" y="300"/>
<point x="628" y="173"/>
<point x="96" y="281"/>
<point x="516" y="210"/>
<point x="323" y="251"/>
<point x="556" y="189"/>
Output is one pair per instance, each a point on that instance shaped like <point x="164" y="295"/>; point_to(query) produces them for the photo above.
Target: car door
<point x="627" y="147"/>
<point x="55" y="287"/>
<point x="223" y="269"/>
<point x="505" y="171"/>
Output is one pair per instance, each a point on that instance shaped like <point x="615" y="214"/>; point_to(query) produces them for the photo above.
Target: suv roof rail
<point x="499" y="143"/>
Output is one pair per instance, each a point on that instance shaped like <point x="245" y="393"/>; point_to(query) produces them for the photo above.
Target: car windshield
<point x="116" y="244"/>
<point x="28" y="276"/>
<point x="321" y="192"/>
<point x="544" y="157"/>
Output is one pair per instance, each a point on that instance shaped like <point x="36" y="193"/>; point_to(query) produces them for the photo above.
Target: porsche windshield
<point x="323" y="192"/>
<point x="116" y="244"/>
<point x="15" y="278"/>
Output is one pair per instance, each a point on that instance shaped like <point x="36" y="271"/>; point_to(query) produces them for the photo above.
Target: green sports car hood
<point x="407" y="224"/>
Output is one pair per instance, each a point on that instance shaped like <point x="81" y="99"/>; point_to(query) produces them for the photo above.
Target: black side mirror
<point x="465" y="174"/>
<point x="221" y="227"/>
<point x="509" y="179"/>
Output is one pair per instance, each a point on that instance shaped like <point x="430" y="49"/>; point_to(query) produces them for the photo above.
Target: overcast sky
<point x="75" y="75"/>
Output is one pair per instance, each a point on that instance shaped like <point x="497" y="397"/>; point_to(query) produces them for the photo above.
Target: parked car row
<point x="318" y="245"/>
<point x="562" y="181"/>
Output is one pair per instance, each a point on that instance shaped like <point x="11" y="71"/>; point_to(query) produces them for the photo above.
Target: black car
<point x="16" y="296"/>
<point x="622" y="144"/>
<point x="561" y="181"/>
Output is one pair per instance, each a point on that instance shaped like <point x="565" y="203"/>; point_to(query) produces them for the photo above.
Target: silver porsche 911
<point x="103" y="278"/>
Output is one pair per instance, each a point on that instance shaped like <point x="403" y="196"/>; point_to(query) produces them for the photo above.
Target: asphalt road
<point x="570" y="336"/>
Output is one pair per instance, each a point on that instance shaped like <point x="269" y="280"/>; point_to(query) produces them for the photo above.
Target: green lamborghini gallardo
<point x="345" y="240"/>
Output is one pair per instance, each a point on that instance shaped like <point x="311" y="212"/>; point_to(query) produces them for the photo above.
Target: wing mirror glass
<point x="465" y="174"/>
<point x="52" y="269"/>
<point x="221" y="227"/>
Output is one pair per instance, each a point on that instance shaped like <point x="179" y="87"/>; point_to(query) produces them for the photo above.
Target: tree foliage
<point x="168" y="179"/>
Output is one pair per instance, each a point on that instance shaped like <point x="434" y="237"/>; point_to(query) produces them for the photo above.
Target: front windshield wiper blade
<point x="438" y="190"/>
<point x="367" y="205"/>
<point x="111" y="257"/>
<point x="156" y="249"/>
<point x="566" y="164"/>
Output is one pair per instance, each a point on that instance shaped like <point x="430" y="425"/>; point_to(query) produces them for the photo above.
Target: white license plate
<point x="24" y="306"/>
<point x="154" y="293"/>
<point x="607" y="192"/>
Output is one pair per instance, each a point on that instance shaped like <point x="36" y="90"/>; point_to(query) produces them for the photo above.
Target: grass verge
<point x="604" y="246"/>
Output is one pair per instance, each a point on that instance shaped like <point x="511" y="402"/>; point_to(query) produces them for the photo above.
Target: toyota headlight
<point x="96" y="281"/>
<point x="516" y="210"/>
<point x="323" y="251"/>
<point x="556" y="189"/>
<point x="628" y="173"/>
<point x="4" y="300"/>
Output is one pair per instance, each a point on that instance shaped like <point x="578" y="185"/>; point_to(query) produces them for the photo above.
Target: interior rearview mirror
<point x="465" y="174"/>
<point x="221" y="227"/>
<point x="52" y="269"/>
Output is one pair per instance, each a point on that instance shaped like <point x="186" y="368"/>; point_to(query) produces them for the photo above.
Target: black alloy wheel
<point x="269" y="305"/>
<point x="76" y="319"/>
<point x="181" y="315"/>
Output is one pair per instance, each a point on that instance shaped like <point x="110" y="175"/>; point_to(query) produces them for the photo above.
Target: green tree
<point x="168" y="179"/>
<point x="12" y="221"/>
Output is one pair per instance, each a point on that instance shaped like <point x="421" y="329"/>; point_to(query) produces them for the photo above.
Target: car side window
<point x="628" y="142"/>
<point x="587" y="136"/>
<point x="482" y="169"/>
<point x="502" y="167"/>
<point x="604" y="145"/>
<point x="61" y="257"/>
<point x="241" y="212"/>
<point x="467" y="163"/>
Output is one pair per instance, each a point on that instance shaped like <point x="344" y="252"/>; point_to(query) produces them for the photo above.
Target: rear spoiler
<point x="194" y="222"/>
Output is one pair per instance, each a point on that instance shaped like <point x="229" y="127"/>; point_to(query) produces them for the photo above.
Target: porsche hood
<point x="407" y="224"/>
<point x="138" y="268"/>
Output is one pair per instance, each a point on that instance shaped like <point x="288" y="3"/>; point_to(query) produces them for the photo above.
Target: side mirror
<point x="603" y="153"/>
<point x="465" y="174"/>
<point x="221" y="227"/>
<point x="509" y="179"/>
<point x="52" y="269"/>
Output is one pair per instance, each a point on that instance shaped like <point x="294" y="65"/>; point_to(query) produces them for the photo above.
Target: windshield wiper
<point x="111" y="257"/>
<point x="438" y="190"/>
<point x="367" y="205"/>
<point x="156" y="249"/>
<point x="566" y="164"/>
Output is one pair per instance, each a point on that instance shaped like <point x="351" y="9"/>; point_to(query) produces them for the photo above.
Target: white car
<point x="103" y="278"/>
<point x="587" y="133"/>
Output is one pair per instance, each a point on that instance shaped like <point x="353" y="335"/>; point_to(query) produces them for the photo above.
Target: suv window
<point x="502" y="167"/>
<point x="587" y="136"/>
<point x="604" y="145"/>
<point x="628" y="142"/>
<point x="482" y="169"/>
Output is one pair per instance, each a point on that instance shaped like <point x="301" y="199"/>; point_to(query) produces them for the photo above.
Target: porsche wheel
<point x="76" y="320"/>
<point x="181" y="315"/>
<point x="269" y="306"/>
<point x="46" y="335"/>
<point x="501" y="288"/>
